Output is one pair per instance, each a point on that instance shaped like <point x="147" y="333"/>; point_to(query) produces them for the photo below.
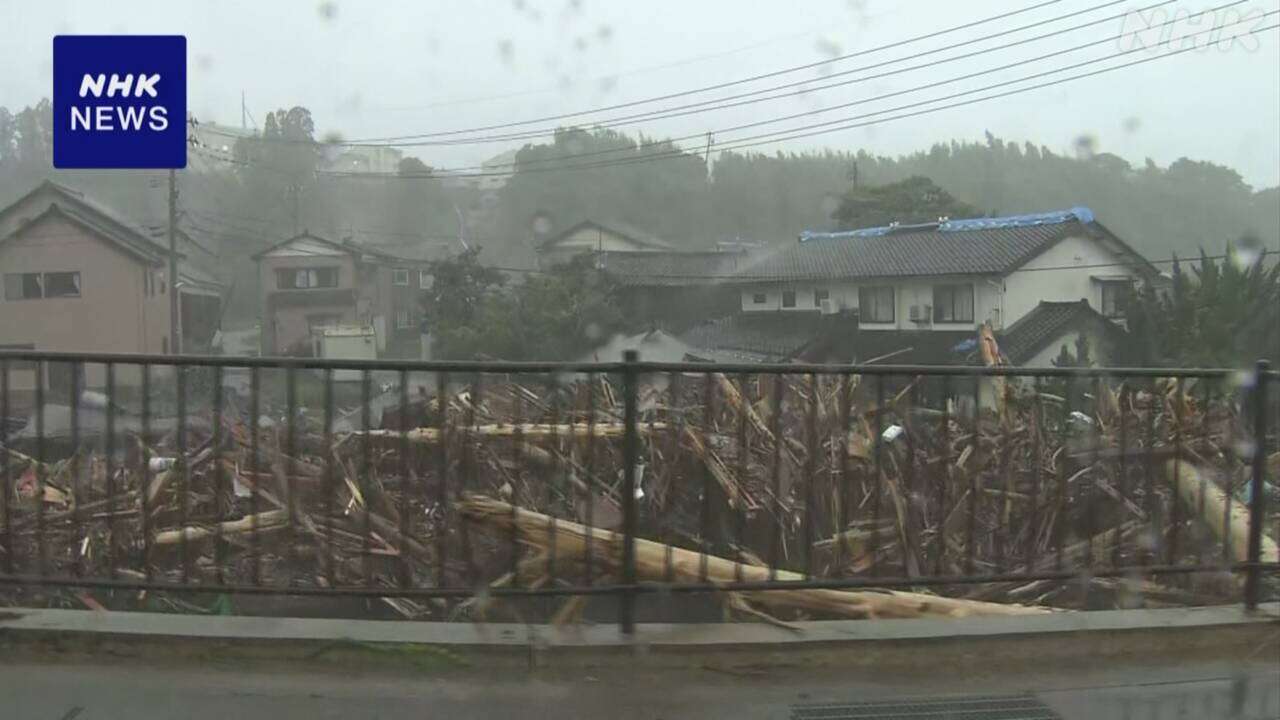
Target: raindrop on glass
<point x="1085" y="146"/>
<point x="1247" y="251"/>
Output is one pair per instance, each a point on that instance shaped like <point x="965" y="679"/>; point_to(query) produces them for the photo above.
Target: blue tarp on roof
<point x="1056" y="217"/>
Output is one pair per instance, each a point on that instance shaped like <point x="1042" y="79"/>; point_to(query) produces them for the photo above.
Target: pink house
<point x="310" y="282"/>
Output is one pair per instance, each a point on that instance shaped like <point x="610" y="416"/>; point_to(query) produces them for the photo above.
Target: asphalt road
<point x="128" y="691"/>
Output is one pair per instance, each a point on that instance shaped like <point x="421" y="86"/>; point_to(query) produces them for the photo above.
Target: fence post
<point x="1257" y="488"/>
<point x="630" y="449"/>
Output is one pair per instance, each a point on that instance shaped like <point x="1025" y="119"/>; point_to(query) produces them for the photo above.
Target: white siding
<point x="1066" y="272"/>
<point x="1063" y="273"/>
<point x="907" y="292"/>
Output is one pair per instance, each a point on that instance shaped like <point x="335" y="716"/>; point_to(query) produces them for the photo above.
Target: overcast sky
<point x="373" y="69"/>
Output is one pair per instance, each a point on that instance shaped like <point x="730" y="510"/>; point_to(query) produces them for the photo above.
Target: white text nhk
<point x="114" y="117"/>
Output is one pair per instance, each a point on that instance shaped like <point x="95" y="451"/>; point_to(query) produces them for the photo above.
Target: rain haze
<point x="397" y="68"/>
<point x="590" y="358"/>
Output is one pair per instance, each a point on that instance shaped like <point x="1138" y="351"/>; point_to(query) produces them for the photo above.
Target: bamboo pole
<point x="1205" y="498"/>
<point x="269" y="520"/>
<point x="570" y="538"/>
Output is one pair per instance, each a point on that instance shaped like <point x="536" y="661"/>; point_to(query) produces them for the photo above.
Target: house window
<point x="424" y="279"/>
<point x="402" y="320"/>
<point x="819" y="296"/>
<point x="875" y="304"/>
<point x="953" y="303"/>
<point x="62" y="284"/>
<point x="400" y="276"/>
<point x="23" y="286"/>
<point x="306" y="278"/>
<point x="33" y="286"/>
<point x="788" y="298"/>
<point x="759" y="298"/>
<point x="1113" y="296"/>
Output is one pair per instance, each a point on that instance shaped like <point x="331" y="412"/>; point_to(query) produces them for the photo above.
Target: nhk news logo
<point x="119" y="101"/>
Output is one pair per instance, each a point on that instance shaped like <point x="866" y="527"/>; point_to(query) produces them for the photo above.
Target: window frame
<point x="315" y="277"/>
<point x="1120" y="287"/>
<point x="866" y="292"/>
<point x="408" y="319"/>
<point x="18" y="280"/>
<point x="20" y="365"/>
<point x="820" y="294"/>
<point x="395" y="277"/>
<point x="759" y="298"/>
<point x="788" y="299"/>
<point x="423" y="277"/>
<point x="953" y="289"/>
<point x="75" y="275"/>
<point x="41" y="285"/>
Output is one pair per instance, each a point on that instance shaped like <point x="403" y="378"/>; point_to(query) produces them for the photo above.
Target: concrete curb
<point x="1067" y="638"/>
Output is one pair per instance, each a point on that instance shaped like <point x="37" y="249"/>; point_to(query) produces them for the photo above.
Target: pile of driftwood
<point x="751" y="478"/>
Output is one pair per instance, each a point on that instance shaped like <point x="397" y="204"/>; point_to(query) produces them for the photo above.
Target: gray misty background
<point x="1176" y="154"/>
<point x="389" y="68"/>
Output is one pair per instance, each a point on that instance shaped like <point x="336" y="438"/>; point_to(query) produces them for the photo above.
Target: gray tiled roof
<point x="911" y="251"/>
<point x="669" y="268"/>
<point x="1044" y="324"/>
<point x="772" y="336"/>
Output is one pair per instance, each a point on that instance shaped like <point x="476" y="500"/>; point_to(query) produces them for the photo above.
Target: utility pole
<point x="174" y="326"/>
<point x="708" y="151"/>
<point x="243" y="112"/>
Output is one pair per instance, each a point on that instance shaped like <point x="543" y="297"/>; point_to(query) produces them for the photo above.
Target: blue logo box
<point x="119" y="101"/>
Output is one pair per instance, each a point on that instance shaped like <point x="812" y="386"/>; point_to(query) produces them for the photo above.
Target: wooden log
<point x="1205" y="498"/>
<point x="269" y="520"/>
<point x="534" y="529"/>
<point x="732" y="490"/>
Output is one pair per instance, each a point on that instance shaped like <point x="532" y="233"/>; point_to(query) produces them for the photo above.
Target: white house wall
<point x="1063" y="273"/>
<point x="907" y="292"/>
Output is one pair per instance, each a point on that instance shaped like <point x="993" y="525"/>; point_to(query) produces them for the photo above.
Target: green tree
<point x="1224" y="313"/>
<point x="278" y="167"/>
<point x="458" y="305"/>
<point x="914" y="200"/>
<point x="558" y="315"/>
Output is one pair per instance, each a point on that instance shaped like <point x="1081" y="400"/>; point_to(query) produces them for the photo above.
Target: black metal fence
<point x="439" y="487"/>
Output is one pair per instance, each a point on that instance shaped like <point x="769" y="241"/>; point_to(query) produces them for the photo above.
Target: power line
<point x="622" y="121"/>
<point x="804" y="85"/>
<point x="793" y="133"/>
<point x="718" y="86"/>
<point x="798" y="132"/>
<point x="388" y="140"/>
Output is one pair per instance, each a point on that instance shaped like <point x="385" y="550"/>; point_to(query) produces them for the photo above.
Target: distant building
<point x="361" y="159"/>
<point x="497" y="170"/>
<point x="590" y="236"/>
<point x="309" y="282"/>
<point x="213" y="143"/>
<point x="77" y="277"/>
<point x="655" y="282"/>
<point x="917" y="293"/>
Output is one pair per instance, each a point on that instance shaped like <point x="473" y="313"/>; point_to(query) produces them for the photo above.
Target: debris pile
<point x="748" y="477"/>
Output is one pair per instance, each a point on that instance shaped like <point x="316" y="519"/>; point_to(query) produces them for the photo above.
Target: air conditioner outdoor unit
<point x="828" y="306"/>
<point x="921" y="313"/>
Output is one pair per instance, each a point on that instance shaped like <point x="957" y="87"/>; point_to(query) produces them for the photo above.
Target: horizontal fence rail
<point x="439" y="488"/>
